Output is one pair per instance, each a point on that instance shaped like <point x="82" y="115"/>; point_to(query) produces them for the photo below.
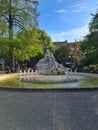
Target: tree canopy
<point x="89" y="45"/>
<point x="31" y="43"/>
<point x="20" y="14"/>
<point x="62" y="53"/>
<point x="26" y="44"/>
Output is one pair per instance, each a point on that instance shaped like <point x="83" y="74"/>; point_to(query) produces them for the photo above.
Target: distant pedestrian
<point x="94" y="69"/>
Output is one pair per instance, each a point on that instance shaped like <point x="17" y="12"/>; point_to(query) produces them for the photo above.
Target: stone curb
<point x="48" y="89"/>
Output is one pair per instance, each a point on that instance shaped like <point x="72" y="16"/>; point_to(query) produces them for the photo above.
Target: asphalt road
<point x="48" y="110"/>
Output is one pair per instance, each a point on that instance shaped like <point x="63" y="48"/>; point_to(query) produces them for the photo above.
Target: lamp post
<point x="71" y="57"/>
<point x="72" y="63"/>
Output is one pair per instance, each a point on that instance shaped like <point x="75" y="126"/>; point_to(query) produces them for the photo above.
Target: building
<point x="75" y="49"/>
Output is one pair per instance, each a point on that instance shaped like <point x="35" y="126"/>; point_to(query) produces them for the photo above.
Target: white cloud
<point x="70" y="35"/>
<point x="59" y="1"/>
<point x="80" y="7"/>
<point x="80" y="4"/>
<point x="61" y="11"/>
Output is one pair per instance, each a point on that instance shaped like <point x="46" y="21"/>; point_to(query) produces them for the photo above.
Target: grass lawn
<point x="90" y="82"/>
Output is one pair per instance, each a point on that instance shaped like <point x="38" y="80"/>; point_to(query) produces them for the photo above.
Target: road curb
<point x="49" y="89"/>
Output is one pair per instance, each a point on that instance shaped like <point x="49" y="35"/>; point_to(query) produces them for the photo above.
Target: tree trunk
<point x="11" y="47"/>
<point x="12" y="61"/>
<point x="3" y="66"/>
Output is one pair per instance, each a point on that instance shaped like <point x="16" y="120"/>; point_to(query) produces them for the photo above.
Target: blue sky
<point x="66" y="19"/>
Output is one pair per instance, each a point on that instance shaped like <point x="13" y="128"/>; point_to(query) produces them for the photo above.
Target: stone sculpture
<point x="49" y="66"/>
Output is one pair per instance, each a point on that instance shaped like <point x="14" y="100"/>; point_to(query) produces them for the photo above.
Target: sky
<point x="66" y="19"/>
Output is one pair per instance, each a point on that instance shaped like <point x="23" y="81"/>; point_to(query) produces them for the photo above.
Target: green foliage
<point x="89" y="45"/>
<point x="93" y="25"/>
<point x="31" y="43"/>
<point x="20" y="14"/>
<point x="3" y="47"/>
<point x="62" y="53"/>
<point x="90" y="51"/>
<point x="26" y="44"/>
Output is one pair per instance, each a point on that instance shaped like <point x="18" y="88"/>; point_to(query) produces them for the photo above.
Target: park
<point x="45" y="84"/>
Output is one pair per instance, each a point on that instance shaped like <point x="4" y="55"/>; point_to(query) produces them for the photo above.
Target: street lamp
<point x="71" y="57"/>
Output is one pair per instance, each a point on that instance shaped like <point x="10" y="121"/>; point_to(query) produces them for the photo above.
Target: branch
<point x="21" y="23"/>
<point x="20" y="26"/>
<point x="16" y="20"/>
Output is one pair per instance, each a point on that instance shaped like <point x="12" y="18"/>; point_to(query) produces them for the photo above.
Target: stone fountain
<point x="49" y="66"/>
<point x="49" y="71"/>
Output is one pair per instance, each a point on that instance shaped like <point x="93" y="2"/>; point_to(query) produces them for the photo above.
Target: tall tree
<point x="89" y="45"/>
<point x="14" y="15"/>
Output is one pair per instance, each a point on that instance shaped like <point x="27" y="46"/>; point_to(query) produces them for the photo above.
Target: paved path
<point x="49" y="110"/>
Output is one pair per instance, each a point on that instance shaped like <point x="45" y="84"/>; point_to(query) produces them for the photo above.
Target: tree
<point x="31" y="43"/>
<point x="29" y="46"/>
<point x="16" y="14"/>
<point x="93" y="25"/>
<point x="62" y="53"/>
<point x="89" y="45"/>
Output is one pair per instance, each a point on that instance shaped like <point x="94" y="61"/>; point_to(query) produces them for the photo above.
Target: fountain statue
<point x="48" y="71"/>
<point x="49" y="66"/>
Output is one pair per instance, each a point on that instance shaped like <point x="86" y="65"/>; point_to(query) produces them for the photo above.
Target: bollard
<point x="32" y="71"/>
<point x="20" y="72"/>
<point x="24" y="73"/>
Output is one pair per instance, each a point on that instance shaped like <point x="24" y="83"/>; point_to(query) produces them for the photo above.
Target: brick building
<point x="75" y="49"/>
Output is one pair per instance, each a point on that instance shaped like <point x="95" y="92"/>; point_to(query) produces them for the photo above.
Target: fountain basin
<point x="48" y="78"/>
<point x="83" y="81"/>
